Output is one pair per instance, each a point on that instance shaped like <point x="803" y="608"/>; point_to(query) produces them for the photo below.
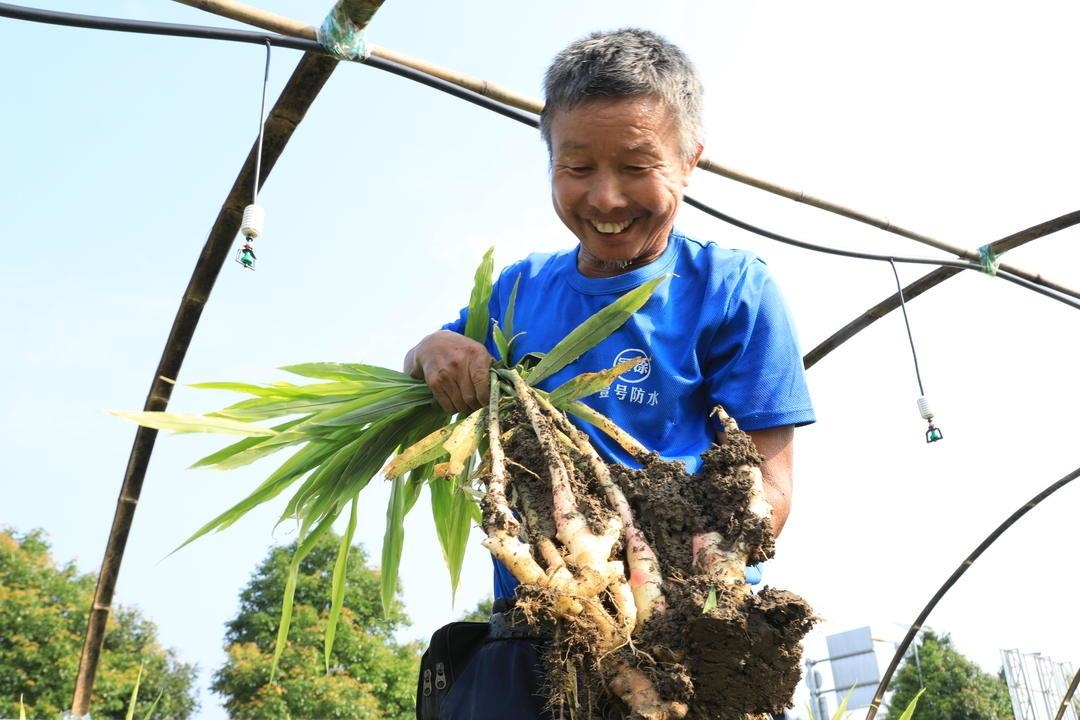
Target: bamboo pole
<point x="1068" y="696"/>
<point x="307" y="80"/>
<point x="931" y="279"/>
<point x="269" y="21"/>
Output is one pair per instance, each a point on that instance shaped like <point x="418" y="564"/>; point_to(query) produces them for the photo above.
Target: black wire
<point x="213" y="33"/>
<point x="941" y="262"/>
<point x="911" y="340"/>
<point x="475" y="98"/>
<point x="203" y="32"/>
<point x="147" y="27"/>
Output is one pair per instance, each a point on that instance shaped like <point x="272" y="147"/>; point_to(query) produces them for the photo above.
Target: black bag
<point x="450" y="650"/>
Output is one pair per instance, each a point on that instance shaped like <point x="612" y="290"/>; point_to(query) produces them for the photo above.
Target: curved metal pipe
<point x="901" y="649"/>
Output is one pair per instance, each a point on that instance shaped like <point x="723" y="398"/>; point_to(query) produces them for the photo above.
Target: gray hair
<point x="622" y="64"/>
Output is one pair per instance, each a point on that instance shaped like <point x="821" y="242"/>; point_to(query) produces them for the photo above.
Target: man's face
<point x="617" y="177"/>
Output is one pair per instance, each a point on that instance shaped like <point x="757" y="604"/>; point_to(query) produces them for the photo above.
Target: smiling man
<point x="622" y="123"/>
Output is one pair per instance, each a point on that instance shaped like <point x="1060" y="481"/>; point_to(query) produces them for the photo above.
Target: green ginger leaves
<point x="357" y="417"/>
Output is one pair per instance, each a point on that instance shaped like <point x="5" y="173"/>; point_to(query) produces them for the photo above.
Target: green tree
<point x="482" y="611"/>
<point x="371" y="677"/>
<point x="956" y="688"/>
<point x="43" y="613"/>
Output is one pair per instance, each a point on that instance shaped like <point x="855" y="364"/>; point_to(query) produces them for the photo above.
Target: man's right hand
<point x="454" y="367"/>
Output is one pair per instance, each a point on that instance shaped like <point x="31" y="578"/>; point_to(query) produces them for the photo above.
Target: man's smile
<point x="611" y="228"/>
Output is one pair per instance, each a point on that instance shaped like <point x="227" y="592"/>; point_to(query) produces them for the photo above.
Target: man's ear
<point x="692" y="163"/>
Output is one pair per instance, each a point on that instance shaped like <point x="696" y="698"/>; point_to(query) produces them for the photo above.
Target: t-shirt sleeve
<point x="755" y="367"/>
<point x="458" y="325"/>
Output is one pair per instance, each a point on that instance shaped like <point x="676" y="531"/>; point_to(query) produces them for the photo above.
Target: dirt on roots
<point x="717" y="650"/>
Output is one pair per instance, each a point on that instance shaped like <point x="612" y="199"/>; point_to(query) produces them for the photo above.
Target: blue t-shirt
<point x="716" y="332"/>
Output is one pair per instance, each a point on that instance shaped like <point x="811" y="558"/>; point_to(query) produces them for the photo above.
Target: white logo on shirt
<point x="638" y="372"/>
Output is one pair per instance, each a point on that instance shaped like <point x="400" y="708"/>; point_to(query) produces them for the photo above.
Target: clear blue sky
<point x="957" y="120"/>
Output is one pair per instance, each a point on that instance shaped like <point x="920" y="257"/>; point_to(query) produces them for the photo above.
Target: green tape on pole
<point x="342" y="37"/>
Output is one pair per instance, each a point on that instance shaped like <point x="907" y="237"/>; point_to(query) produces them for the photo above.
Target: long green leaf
<point x="244" y="446"/>
<point x="193" y="423"/>
<point x="153" y="706"/>
<point x="246" y="388"/>
<point x="417" y="479"/>
<point x="588" y="383"/>
<point x="130" y="715"/>
<point x="453" y="511"/>
<point x="274" y="407"/>
<point x="910" y="709"/>
<point x="592" y="331"/>
<point x="305" y="543"/>
<point x="337" y="584"/>
<point x="378" y="406"/>
<point x="324" y="477"/>
<point x="476" y="324"/>
<point x="347" y="371"/>
<point x="378" y="442"/>
<point x="303" y="461"/>
<point x="403" y="496"/>
<point x="841" y="711"/>
<point x="233" y="457"/>
<point x="508" y="316"/>
<point x="502" y="344"/>
<point x="393" y="541"/>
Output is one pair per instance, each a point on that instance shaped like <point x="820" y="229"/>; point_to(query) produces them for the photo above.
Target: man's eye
<point x="636" y="168"/>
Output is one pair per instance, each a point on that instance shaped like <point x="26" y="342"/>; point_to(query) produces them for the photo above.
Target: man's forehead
<point x="574" y="145"/>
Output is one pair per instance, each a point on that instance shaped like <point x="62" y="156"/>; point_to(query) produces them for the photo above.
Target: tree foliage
<point x="956" y="688"/>
<point x="482" y="611"/>
<point x="43" y="614"/>
<point x="370" y="677"/>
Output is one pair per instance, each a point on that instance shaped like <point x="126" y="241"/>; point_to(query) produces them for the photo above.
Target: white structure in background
<point x="853" y="665"/>
<point x="1037" y="685"/>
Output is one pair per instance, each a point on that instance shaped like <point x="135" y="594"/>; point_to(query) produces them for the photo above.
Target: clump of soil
<point x="712" y="649"/>
<point x="743" y="654"/>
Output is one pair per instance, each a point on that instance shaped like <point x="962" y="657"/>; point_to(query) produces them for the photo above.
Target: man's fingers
<point x="449" y="397"/>
<point x="481" y="386"/>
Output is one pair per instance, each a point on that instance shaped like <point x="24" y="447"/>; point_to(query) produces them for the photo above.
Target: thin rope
<point x="911" y="341"/>
<point x="262" y="122"/>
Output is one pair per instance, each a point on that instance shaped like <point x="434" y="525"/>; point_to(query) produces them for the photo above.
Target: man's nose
<point x="606" y="193"/>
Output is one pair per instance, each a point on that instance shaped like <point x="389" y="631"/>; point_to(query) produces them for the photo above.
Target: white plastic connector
<point x="924" y="408"/>
<point x="251" y="225"/>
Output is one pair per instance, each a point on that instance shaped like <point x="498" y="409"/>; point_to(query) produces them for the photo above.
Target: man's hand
<point x="454" y="367"/>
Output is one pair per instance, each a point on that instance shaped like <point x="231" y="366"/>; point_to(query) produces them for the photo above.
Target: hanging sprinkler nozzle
<point x="251" y="226"/>
<point x="933" y="433"/>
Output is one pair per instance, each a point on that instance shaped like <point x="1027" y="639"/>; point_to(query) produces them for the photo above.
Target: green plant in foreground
<point x="358" y="416"/>
<point x="841" y="711"/>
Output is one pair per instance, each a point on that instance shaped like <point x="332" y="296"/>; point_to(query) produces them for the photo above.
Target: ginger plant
<point x="360" y="416"/>
<point x="569" y="527"/>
